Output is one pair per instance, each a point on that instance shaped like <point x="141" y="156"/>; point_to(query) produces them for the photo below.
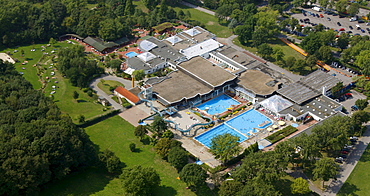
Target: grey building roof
<point x="257" y="81"/>
<point x="237" y="56"/>
<point x="319" y="79"/>
<point x="205" y="70"/>
<point x="309" y="87"/>
<point x="321" y="106"/>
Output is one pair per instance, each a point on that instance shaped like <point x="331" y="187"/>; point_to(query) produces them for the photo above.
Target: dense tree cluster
<point x="72" y="62"/>
<point x="38" y="143"/>
<point x="29" y="21"/>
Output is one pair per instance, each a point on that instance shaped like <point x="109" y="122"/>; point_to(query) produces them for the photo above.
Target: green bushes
<point x="281" y="134"/>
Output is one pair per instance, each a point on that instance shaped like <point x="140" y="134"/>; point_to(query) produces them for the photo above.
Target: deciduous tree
<point x="361" y="103"/>
<point x="325" y="169"/>
<point x="193" y="175"/>
<point x="140" y="180"/>
<point x="225" y="146"/>
<point x="140" y="131"/>
<point x="178" y="158"/>
<point x="300" y="186"/>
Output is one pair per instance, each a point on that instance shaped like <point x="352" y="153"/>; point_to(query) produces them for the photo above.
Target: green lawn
<point x="107" y="84"/>
<point x="210" y="21"/>
<point x="116" y="134"/>
<point x="29" y="71"/>
<point x="63" y="95"/>
<point x="276" y="43"/>
<point x="358" y="182"/>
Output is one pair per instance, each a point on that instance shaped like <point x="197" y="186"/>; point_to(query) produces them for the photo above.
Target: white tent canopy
<point x="146" y="56"/>
<point x="192" y="32"/>
<point x="276" y="103"/>
<point x="174" y="39"/>
<point x="147" y="45"/>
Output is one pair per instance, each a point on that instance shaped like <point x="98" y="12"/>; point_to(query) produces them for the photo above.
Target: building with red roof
<point x="129" y="96"/>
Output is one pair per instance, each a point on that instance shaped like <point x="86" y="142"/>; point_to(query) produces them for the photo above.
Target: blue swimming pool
<point x="246" y="122"/>
<point x="218" y="104"/>
<point x="205" y="138"/>
<point x="131" y="54"/>
<point x="240" y="125"/>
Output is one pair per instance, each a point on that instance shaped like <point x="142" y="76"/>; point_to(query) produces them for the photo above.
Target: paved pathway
<point x="198" y="8"/>
<point x="350" y="164"/>
<point x="99" y="92"/>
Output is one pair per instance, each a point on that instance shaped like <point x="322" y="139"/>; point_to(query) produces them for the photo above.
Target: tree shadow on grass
<point x="165" y="190"/>
<point x="28" y="59"/>
<point x="348" y="189"/>
<point x="81" y="101"/>
<point x="85" y="182"/>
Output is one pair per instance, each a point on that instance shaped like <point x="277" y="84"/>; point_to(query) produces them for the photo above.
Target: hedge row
<point x="275" y="137"/>
<point x="98" y="119"/>
<point x="251" y="149"/>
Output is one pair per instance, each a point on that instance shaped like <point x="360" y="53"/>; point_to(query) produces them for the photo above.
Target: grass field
<point x="63" y="91"/>
<point x="116" y="134"/>
<point x="107" y="84"/>
<point x="210" y="21"/>
<point x="29" y="71"/>
<point x="288" y="51"/>
<point x="358" y="182"/>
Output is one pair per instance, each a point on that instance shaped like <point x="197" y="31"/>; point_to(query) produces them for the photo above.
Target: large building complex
<point x="203" y="68"/>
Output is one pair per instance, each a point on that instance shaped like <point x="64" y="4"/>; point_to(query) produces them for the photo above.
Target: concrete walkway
<point x="197" y="8"/>
<point x="99" y="92"/>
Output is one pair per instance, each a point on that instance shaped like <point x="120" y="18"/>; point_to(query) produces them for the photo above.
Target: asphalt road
<point x="345" y="23"/>
<point x="349" y="164"/>
<point x="99" y="92"/>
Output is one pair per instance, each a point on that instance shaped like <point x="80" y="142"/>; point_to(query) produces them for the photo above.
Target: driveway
<point x="99" y="92"/>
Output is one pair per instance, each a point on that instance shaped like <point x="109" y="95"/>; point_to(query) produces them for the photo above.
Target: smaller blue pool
<point x="218" y="104"/>
<point x="205" y="138"/>
<point x="246" y="122"/>
<point x="131" y="54"/>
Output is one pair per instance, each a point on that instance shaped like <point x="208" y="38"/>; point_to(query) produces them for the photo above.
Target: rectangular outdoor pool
<point x="206" y="138"/>
<point x="131" y="54"/>
<point x="218" y="104"/>
<point x="242" y="126"/>
<point x="248" y="121"/>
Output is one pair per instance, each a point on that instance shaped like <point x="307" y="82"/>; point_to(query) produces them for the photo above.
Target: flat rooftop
<point x="205" y="70"/>
<point x="319" y="79"/>
<point x="237" y="56"/>
<point x="298" y="92"/>
<point x="257" y="82"/>
<point x="321" y="106"/>
<point x="179" y="86"/>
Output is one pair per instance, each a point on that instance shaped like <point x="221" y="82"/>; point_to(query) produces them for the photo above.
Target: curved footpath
<point x="101" y="93"/>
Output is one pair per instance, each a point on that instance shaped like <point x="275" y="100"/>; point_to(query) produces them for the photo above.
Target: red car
<point x="341" y="29"/>
<point x="344" y="152"/>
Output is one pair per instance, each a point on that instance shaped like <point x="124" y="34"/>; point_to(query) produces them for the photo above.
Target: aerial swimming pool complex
<point x="218" y="105"/>
<point x="243" y="126"/>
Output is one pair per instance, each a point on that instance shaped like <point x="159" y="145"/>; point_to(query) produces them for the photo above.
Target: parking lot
<point x="332" y="22"/>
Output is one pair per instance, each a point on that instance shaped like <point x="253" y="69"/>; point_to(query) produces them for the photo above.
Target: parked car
<point x="338" y="23"/>
<point x="343" y="156"/>
<point x="351" y="27"/>
<point x="329" y="19"/>
<point x="341" y="29"/>
<point x="363" y="31"/>
<point x="346" y="149"/>
<point x="338" y="161"/>
<point x="348" y="146"/>
<point x="353" y="137"/>
<point x="344" y="152"/>
<point x="360" y="21"/>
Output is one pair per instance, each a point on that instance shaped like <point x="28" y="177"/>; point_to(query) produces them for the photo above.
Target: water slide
<point x="148" y="103"/>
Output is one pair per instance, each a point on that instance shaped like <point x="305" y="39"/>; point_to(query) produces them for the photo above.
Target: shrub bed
<point x="275" y="137"/>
